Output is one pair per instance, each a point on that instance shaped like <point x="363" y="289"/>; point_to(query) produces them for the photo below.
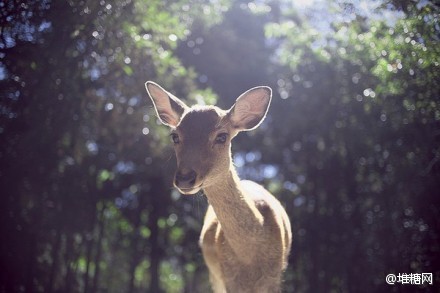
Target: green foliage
<point x="77" y="136"/>
<point x="374" y="86"/>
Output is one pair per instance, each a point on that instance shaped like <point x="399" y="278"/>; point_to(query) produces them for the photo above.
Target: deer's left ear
<point x="250" y="108"/>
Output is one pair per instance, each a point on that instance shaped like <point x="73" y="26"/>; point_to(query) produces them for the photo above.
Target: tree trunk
<point x="154" y="252"/>
<point x="89" y="252"/>
<point x="158" y="203"/>
<point x="31" y="263"/>
<point x="55" y="256"/>
<point x="68" y="259"/>
<point x="135" y="257"/>
<point x="98" y="249"/>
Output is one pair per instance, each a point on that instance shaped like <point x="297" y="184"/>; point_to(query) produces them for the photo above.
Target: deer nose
<point x="185" y="178"/>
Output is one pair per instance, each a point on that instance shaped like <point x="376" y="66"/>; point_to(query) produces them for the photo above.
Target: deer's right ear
<point x="168" y="107"/>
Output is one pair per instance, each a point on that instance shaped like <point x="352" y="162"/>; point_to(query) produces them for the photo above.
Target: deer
<point x="246" y="234"/>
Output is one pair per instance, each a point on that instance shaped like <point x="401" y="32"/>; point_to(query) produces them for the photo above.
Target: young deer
<point x="246" y="234"/>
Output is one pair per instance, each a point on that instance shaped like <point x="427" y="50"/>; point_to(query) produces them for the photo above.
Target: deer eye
<point x="221" y="138"/>
<point x="175" y="138"/>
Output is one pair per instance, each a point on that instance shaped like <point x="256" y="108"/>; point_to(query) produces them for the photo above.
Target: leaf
<point x="128" y="70"/>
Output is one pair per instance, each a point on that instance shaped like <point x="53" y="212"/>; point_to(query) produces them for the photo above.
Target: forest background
<point x="351" y="144"/>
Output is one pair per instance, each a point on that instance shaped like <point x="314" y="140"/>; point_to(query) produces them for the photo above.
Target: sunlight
<point x="303" y="3"/>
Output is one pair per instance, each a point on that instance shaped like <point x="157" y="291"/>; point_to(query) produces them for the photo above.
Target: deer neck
<point x="236" y="212"/>
<point x="229" y="183"/>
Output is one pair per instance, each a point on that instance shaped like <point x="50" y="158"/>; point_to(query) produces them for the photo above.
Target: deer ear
<point x="250" y="108"/>
<point x="168" y="107"/>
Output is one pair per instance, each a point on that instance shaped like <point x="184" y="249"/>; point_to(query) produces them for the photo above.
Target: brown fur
<point x="246" y="235"/>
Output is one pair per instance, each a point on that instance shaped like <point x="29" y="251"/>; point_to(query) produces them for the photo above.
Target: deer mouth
<point x="190" y="190"/>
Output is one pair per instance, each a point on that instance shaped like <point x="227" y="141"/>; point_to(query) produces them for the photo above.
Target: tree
<point x="358" y="174"/>
<point x="84" y="189"/>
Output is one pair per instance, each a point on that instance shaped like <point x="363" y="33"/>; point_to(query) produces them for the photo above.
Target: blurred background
<point x="351" y="145"/>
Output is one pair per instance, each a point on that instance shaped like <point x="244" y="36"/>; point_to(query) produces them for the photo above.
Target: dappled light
<point x="350" y="145"/>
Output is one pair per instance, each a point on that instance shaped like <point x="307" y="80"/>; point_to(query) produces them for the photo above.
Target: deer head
<point x="202" y="134"/>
